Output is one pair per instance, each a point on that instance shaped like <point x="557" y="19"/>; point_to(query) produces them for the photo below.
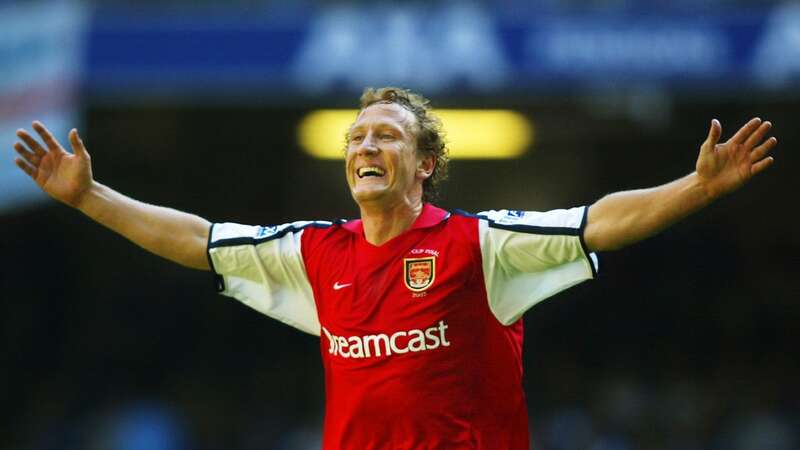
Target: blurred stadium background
<point x="686" y="342"/>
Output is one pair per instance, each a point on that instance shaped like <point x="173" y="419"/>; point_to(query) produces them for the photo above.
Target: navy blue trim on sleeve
<point x="219" y="281"/>
<point x="585" y="248"/>
<point x="536" y="229"/>
<point x="270" y="236"/>
<point x="522" y="228"/>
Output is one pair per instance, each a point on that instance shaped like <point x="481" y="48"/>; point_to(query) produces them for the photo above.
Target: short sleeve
<point x="529" y="256"/>
<point x="263" y="268"/>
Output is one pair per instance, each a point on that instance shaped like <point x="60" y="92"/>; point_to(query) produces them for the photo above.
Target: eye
<point x="387" y="137"/>
<point x="357" y="138"/>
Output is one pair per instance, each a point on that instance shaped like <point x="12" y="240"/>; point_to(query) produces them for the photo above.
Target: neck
<point x="383" y="223"/>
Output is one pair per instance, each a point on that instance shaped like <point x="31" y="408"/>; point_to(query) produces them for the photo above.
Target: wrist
<point x="705" y="191"/>
<point x="85" y="200"/>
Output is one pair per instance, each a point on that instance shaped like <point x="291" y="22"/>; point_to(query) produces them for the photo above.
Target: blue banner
<point x="462" y="47"/>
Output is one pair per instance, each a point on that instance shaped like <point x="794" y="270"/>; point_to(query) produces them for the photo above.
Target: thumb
<point x="77" y="144"/>
<point x="714" y="133"/>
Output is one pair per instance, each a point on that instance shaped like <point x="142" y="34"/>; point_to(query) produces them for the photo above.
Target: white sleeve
<point x="263" y="268"/>
<point x="530" y="256"/>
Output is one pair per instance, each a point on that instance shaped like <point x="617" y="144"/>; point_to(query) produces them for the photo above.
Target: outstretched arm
<point x="67" y="177"/>
<point x="623" y="218"/>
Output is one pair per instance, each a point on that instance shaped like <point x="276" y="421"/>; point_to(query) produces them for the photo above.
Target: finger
<point x="77" y="144"/>
<point x="31" y="171"/>
<point x="762" y="165"/>
<point x="714" y="132"/>
<point x="27" y="155"/>
<point x="761" y="151"/>
<point x="32" y="143"/>
<point x="746" y="130"/>
<point x="47" y="137"/>
<point x="758" y="135"/>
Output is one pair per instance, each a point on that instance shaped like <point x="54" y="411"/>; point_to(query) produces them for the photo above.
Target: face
<point x="382" y="164"/>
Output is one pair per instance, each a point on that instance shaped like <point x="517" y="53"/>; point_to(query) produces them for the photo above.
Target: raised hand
<point x="726" y="167"/>
<point x="64" y="176"/>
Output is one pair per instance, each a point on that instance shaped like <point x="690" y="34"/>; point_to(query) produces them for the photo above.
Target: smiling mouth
<point x="370" y="171"/>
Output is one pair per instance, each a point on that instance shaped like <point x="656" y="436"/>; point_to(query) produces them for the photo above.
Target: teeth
<point x="370" y="171"/>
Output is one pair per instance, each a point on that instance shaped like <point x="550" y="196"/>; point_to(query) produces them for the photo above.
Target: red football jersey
<point x="420" y="337"/>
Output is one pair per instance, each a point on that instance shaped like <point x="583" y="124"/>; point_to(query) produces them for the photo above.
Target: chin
<point x="368" y="195"/>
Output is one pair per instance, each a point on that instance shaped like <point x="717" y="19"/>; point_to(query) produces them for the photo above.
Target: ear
<point x="425" y="166"/>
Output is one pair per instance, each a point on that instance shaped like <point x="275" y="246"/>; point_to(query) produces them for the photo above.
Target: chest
<point x="410" y="282"/>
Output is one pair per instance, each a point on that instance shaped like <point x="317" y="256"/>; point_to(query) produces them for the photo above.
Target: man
<point x="418" y="309"/>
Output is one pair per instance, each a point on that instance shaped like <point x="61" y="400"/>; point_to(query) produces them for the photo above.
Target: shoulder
<point x="235" y="234"/>
<point x="557" y="221"/>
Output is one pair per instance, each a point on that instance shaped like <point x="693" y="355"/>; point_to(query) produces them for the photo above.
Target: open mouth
<point x="370" y="171"/>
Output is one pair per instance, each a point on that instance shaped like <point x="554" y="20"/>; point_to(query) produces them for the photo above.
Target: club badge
<point x="419" y="273"/>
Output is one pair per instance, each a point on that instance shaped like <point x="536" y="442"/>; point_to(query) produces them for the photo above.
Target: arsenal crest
<point x="419" y="273"/>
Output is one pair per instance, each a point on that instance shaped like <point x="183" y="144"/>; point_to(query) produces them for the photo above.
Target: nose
<point x="368" y="146"/>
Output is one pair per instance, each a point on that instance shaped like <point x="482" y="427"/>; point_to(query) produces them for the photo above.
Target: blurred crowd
<point x="738" y="411"/>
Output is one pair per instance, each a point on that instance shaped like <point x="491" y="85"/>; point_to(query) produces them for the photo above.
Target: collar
<point x="429" y="217"/>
